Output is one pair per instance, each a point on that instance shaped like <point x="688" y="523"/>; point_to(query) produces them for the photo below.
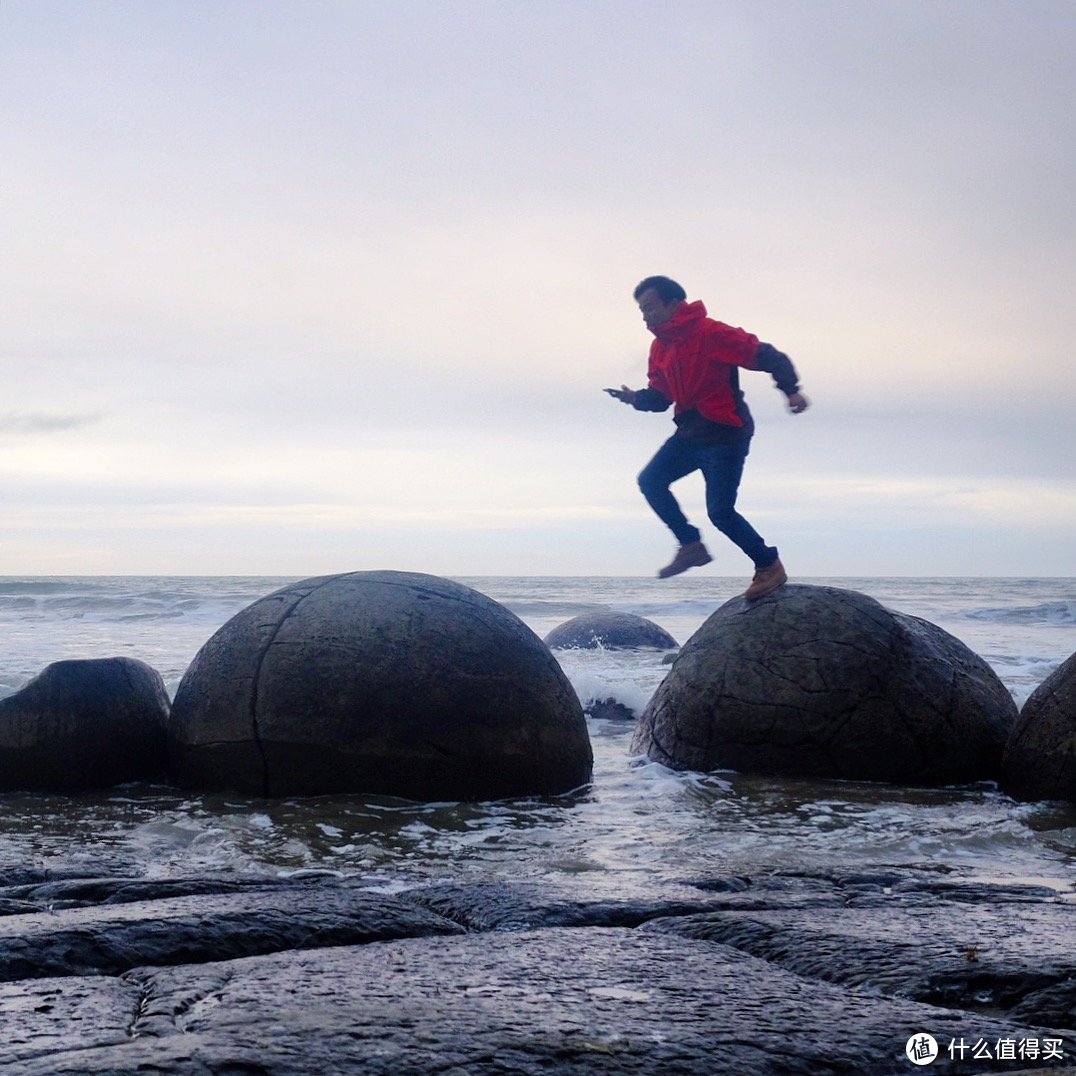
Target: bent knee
<point x="724" y="521"/>
<point x="649" y="482"/>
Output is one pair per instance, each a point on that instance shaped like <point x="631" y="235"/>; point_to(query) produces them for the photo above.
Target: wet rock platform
<point x="775" y="973"/>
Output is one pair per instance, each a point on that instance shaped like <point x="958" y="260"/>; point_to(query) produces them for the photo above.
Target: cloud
<point x="15" y="422"/>
<point x="310" y="517"/>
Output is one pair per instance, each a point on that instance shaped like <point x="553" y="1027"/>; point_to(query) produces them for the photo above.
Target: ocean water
<point x="637" y="830"/>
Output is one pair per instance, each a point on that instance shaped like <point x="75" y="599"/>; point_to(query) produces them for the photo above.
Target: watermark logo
<point x="922" y="1049"/>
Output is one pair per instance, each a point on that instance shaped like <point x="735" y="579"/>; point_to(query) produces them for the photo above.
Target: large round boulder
<point x="609" y="631"/>
<point x="393" y="683"/>
<point x="1040" y="759"/>
<point x="84" y="724"/>
<point x="825" y="682"/>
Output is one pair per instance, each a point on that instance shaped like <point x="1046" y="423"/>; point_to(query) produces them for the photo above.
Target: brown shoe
<point x="691" y="555"/>
<point x="766" y="580"/>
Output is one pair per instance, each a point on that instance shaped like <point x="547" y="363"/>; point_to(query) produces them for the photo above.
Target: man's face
<point x="655" y="312"/>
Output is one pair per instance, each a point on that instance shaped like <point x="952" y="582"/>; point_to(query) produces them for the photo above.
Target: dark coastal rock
<point x="393" y="683"/>
<point x="609" y="631"/>
<point x="1040" y="758"/>
<point x="823" y="682"/>
<point x="84" y="724"/>
<point x="975" y="947"/>
<point x="608" y="710"/>
<point x="55" y="894"/>
<point x="561" y="986"/>
<point x="194" y="929"/>
<point x="508" y="1003"/>
<point x="486" y="906"/>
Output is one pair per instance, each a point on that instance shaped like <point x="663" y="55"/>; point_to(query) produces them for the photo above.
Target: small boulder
<point x="391" y="683"/>
<point x="1040" y="759"/>
<point x="609" y="631"/>
<point x="84" y="724"/>
<point x="824" y="682"/>
<point x="608" y="710"/>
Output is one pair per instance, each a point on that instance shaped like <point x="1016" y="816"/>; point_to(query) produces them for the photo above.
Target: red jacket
<point x="694" y="364"/>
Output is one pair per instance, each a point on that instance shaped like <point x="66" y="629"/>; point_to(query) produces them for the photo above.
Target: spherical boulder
<point x="392" y="683"/>
<point x="1040" y="758"/>
<point x="609" y="631"/>
<point x="824" y="682"/>
<point x="84" y="724"/>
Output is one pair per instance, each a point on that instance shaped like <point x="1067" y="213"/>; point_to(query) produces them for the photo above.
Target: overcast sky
<point x="326" y="285"/>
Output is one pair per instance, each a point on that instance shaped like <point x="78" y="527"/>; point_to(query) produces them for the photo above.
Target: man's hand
<point x="624" y="394"/>
<point x="798" y="403"/>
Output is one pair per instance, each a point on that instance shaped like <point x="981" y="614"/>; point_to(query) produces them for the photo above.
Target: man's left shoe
<point x="766" y="580"/>
<point x="689" y="555"/>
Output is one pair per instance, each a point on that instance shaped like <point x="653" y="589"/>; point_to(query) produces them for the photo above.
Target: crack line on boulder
<point x="255" y="680"/>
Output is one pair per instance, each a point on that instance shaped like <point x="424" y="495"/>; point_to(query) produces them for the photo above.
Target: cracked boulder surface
<point x="84" y="724"/>
<point x="609" y="631"/>
<point x="1040" y="758"/>
<point x="825" y="682"/>
<point x="391" y="683"/>
<point x="787" y="972"/>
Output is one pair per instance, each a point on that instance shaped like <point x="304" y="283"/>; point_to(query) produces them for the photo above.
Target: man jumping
<point x="694" y="364"/>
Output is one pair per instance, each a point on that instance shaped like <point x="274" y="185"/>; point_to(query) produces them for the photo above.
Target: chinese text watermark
<point x="923" y="1049"/>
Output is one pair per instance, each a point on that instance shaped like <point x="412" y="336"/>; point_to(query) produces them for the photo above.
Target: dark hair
<point x="667" y="289"/>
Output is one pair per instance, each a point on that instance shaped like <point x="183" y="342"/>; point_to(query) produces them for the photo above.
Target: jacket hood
<point x="684" y="319"/>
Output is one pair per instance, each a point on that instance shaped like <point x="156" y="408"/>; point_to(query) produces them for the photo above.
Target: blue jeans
<point x="722" y="468"/>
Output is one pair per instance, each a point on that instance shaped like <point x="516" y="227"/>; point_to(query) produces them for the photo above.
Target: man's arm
<point x="779" y="366"/>
<point x="641" y="399"/>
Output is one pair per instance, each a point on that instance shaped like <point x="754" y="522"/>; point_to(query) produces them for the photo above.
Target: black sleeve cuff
<point x="651" y="400"/>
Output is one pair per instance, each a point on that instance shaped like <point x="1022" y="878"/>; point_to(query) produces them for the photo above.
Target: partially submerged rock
<point x="84" y="724"/>
<point x="608" y="709"/>
<point x="1040" y="758"/>
<point x="823" y="682"/>
<point x="609" y="631"/>
<point x="380" y="682"/>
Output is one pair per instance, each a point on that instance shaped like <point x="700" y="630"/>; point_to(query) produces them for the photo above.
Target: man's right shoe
<point x="766" y="581"/>
<point x="691" y="555"/>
